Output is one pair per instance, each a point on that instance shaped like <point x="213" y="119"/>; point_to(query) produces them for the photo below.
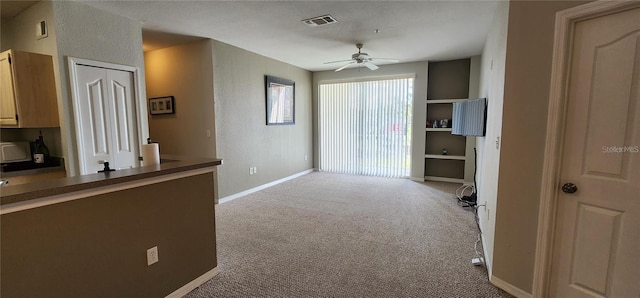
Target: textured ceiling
<point x="408" y="30"/>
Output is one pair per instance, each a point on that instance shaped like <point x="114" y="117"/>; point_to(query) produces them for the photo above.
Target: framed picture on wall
<point x="161" y="105"/>
<point x="280" y="95"/>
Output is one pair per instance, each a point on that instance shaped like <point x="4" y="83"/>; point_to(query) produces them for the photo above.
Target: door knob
<point x="569" y="188"/>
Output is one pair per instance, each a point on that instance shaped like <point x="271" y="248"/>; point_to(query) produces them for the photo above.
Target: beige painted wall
<point x="419" y="69"/>
<point x="243" y="139"/>
<point x="491" y="87"/>
<point x="526" y="97"/>
<point x="185" y="72"/>
<point x="86" y="32"/>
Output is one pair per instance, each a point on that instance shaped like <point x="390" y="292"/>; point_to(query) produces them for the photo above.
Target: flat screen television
<point x="469" y="117"/>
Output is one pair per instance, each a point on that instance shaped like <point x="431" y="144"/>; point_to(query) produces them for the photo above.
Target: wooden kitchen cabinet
<point x="28" y="97"/>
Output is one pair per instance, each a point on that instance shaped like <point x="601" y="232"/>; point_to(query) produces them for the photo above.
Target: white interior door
<point x="597" y="236"/>
<point x="123" y="128"/>
<point x="105" y="112"/>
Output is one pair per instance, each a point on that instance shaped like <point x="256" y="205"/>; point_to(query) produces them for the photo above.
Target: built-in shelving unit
<point x="448" y="82"/>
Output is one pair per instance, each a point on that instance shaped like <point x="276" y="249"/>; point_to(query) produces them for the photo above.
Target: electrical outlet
<point x="250" y="170"/>
<point x="305" y="157"/>
<point x="152" y="255"/>
<point x="255" y="170"/>
<point x="208" y="133"/>
<point x="497" y="143"/>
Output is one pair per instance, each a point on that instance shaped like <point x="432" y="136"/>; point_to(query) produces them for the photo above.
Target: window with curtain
<point x="365" y="127"/>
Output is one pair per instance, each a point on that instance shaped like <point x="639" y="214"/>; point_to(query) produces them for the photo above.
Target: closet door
<point x="123" y="120"/>
<point x="105" y="117"/>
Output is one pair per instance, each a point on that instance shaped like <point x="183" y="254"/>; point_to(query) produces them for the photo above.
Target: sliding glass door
<point x="365" y="127"/>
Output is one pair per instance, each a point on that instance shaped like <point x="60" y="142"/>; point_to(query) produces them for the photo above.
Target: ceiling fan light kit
<point x="362" y="58"/>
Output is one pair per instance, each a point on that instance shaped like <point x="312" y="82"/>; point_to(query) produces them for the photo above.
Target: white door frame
<point x="556" y="123"/>
<point x="140" y="104"/>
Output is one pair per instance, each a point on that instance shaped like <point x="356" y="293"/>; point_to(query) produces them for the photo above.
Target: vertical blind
<point x="469" y="117"/>
<point x="365" y="127"/>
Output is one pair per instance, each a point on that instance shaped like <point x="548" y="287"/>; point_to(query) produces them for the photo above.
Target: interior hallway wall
<point x="186" y="73"/>
<point x="89" y="33"/>
<point x="492" y="88"/>
<point x="526" y="97"/>
<point x="243" y="139"/>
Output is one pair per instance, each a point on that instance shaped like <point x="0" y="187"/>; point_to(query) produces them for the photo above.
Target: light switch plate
<point x="152" y="256"/>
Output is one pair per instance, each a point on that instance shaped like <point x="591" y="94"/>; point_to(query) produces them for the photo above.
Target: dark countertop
<point x="24" y="192"/>
<point x="30" y="167"/>
<point x="8" y="175"/>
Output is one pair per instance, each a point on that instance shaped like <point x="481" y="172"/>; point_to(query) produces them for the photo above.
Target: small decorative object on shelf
<point x="444" y="123"/>
<point x="444" y="151"/>
<point x="435" y="124"/>
<point x="429" y="125"/>
<point x="41" y="152"/>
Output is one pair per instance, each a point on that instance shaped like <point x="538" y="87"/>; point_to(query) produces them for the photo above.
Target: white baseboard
<point x="261" y="187"/>
<point x="509" y="288"/>
<point x="184" y="290"/>
<point x="419" y="179"/>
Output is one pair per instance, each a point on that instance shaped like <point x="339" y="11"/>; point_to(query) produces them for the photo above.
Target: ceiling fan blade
<point x="386" y="59"/>
<point x="345" y="66"/>
<point x="338" y="61"/>
<point x="370" y="65"/>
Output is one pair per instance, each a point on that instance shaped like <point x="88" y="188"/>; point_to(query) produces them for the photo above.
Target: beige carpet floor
<point x="333" y="235"/>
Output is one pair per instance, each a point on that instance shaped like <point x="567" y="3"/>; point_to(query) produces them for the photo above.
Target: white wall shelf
<point x="452" y="100"/>
<point x="452" y="157"/>
<point x="438" y="129"/>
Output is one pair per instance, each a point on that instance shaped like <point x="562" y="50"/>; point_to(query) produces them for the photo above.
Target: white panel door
<point x="597" y="236"/>
<point x="123" y="120"/>
<point x="105" y="111"/>
<point x="93" y="116"/>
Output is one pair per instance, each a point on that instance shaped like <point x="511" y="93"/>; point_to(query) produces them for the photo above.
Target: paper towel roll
<point x="150" y="154"/>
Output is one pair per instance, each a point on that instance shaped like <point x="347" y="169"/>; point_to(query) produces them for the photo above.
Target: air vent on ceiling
<point x="320" y="21"/>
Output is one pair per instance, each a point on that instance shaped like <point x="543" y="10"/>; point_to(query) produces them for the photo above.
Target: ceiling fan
<point x="361" y="58"/>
